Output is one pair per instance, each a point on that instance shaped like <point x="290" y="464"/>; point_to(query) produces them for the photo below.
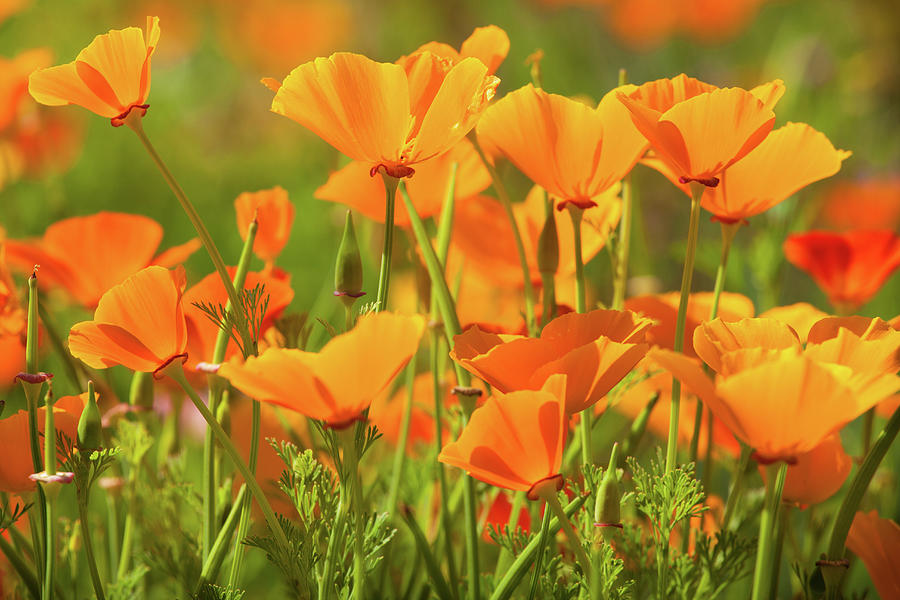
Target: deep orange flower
<point x="386" y="115"/>
<point x="498" y="514"/>
<point x="572" y="150"/>
<point x="12" y="324"/>
<point x="865" y="204"/>
<point x="800" y="317"/>
<point x="138" y="323"/>
<point x="698" y="129"/>
<point x="14" y="81"/>
<point x="16" y="465"/>
<point x="596" y="350"/>
<point x="489" y="44"/>
<point x="849" y="267"/>
<point x="515" y="440"/>
<point x="110" y="77"/>
<point x="88" y="255"/>
<point x="818" y="474"/>
<point x="877" y="542"/>
<point x="275" y="214"/>
<point x="202" y="332"/>
<point x="337" y="384"/>
<point x="354" y="187"/>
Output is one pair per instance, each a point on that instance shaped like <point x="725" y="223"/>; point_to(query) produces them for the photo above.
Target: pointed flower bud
<point x="348" y="277"/>
<point x="90" y="426"/>
<point x="606" y="509"/>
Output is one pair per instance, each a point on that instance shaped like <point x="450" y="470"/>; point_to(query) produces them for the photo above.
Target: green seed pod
<point x="348" y="273"/>
<point x="606" y="509"/>
<point x="90" y="427"/>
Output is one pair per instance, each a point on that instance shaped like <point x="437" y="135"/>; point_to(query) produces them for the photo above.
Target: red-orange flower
<point x="849" y="267"/>
<point x="110" y="77"/>
<point x="337" y="384"/>
<point x="877" y="542"/>
<point x="595" y="350"/>
<point x="572" y="150"/>
<point x="138" y="323"/>
<point x="489" y="44"/>
<point x="514" y="441"/>
<point x="818" y="474"/>
<point x="498" y="514"/>
<point x="274" y="213"/>
<point x="88" y="255"/>
<point x="698" y="129"/>
<point x="865" y="204"/>
<point x="12" y="324"/>
<point x="14" y="81"/>
<point x="386" y="115"/>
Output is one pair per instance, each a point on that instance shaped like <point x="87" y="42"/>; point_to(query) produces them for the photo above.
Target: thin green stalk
<point x="21" y="569"/>
<point x="89" y="550"/>
<point x="112" y="534"/>
<point x="237" y="559"/>
<point x="384" y="272"/>
<point x="50" y="492"/>
<point x="337" y="534"/>
<point x="441" y="588"/>
<point x="574" y="539"/>
<point x="354" y="483"/>
<point x="135" y="124"/>
<point x="175" y="371"/>
<point x="139" y="394"/>
<point x="213" y="563"/>
<point x="536" y="574"/>
<point x="471" y="529"/>
<point x="687" y="274"/>
<point x="868" y="425"/>
<point x="781" y="523"/>
<point x="762" y="573"/>
<point x="736" y="489"/>
<point x="400" y="451"/>
<point x="581" y="307"/>
<point x="623" y="248"/>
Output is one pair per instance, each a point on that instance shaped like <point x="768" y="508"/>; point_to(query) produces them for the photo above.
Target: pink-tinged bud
<point x="40" y="377"/>
<point x="60" y="477"/>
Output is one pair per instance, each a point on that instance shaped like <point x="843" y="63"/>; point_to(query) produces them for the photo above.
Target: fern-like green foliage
<point x="128" y="587"/>
<point x="717" y="562"/>
<point x="215" y="592"/>
<point x="254" y="303"/>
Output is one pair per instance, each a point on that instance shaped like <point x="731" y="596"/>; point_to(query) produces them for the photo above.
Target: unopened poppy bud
<point x="606" y="509"/>
<point x="348" y="274"/>
<point x="548" y="246"/>
<point x="90" y="425"/>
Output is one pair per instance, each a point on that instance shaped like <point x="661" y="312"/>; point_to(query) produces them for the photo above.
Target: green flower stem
<point x="112" y="534"/>
<point x="50" y="493"/>
<point x="337" y="534"/>
<point x="70" y="365"/>
<point x="135" y="124"/>
<point x="623" y="248"/>
<point x="574" y="540"/>
<point x="858" y="487"/>
<point x="471" y="529"/>
<point x="868" y="425"/>
<point x="687" y="274"/>
<point x="517" y="236"/>
<point x="175" y="371"/>
<point x="762" y="573"/>
<point x="89" y="549"/>
<point x="21" y="569"/>
<point x="351" y="480"/>
<point x="736" y="489"/>
<point x="400" y="451"/>
<point x="384" y="273"/>
<point x="581" y="307"/>
<point x="445" y="225"/>
<point x="213" y="563"/>
<point x="441" y="587"/>
<point x="781" y="524"/>
<point x="50" y="557"/>
<point x="536" y="574"/>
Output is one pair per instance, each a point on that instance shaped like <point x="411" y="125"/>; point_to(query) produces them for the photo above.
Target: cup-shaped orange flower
<point x="849" y="267"/>
<point x="111" y="77"/>
<point x="595" y="350"/>
<point x="818" y="474"/>
<point x="386" y="115"/>
<point x="572" y="150"/>
<point x="88" y="255"/>
<point x="514" y="441"/>
<point x="698" y="129"/>
<point x="877" y="542"/>
<point x="138" y="323"/>
<point x="489" y="44"/>
<point x="864" y="204"/>
<point x="274" y="213"/>
<point x="337" y="384"/>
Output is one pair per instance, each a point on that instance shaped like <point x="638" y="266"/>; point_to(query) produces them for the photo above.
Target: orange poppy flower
<point x="800" y="317"/>
<point x="498" y="444"/>
<point x="790" y="158"/>
<point x="572" y="150"/>
<point x="489" y="44"/>
<point x="386" y="115"/>
<point x="202" y="332"/>
<point x="12" y="324"/>
<point x="16" y="465"/>
<point x="866" y="204"/>
<point x="337" y="384"/>
<point x="275" y="214"/>
<point x="88" y="255"/>
<point x="138" y="323"/>
<point x="849" y="267"/>
<point x="48" y="142"/>
<point x="678" y="116"/>
<point x="818" y="474"/>
<point x="595" y="349"/>
<point x="877" y="542"/>
<point x="111" y="77"/>
<point x="354" y="187"/>
<point x="498" y="514"/>
<point x="14" y="81"/>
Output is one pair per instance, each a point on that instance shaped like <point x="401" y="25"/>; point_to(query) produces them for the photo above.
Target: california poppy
<point x="849" y="267"/>
<point x="14" y="81"/>
<point x="699" y="129"/>
<point x="386" y="115"/>
<point x="877" y="542"/>
<point x="489" y="44"/>
<point x="515" y="440"/>
<point x="337" y="384"/>
<point x="498" y="514"/>
<point x="274" y="213"/>
<point x="138" y="323"/>
<point x="596" y="350"/>
<point x="816" y="475"/>
<point x="572" y="150"/>
<point x="88" y="255"/>
<point x="864" y="204"/>
<point x="800" y="317"/>
<point x="111" y="77"/>
<point x="12" y="324"/>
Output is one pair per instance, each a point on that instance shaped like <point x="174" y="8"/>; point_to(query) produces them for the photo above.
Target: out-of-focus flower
<point x="274" y="213"/>
<point x="877" y="542"/>
<point x="596" y="350"/>
<point x="337" y="384"/>
<point x="849" y="267"/>
<point x="14" y="81"/>
<point x="498" y="445"/>
<point x="864" y="204"/>
<point x="138" y="323"/>
<point x="386" y="115"/>
<point x="111" y="77"/>
<point x="818" y="474"/>
<point x="572" y="150"/>
<point x="800" y="317"/>
<point x="489" y="44"/>
<point x="12" y="324"/>
<point x="498" y="514"/>
<point x="47" y="141"/>
<point x="88" y="255"/>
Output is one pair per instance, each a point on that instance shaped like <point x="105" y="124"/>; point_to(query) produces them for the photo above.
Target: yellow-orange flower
<point x="877" y="542"/>
<point x="489" y="44"/>
<point x="111" y="77"/>
<point x="386" y="115"/>
<point x="274" y="213"/>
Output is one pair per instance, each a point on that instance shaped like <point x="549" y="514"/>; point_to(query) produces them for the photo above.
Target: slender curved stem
<point x="384" y="273"/>
<point x="623" y="248"/>
<point x="536" y="574"/>
<point x="217" y="553"/>
<point x="353" y="485"/>
<point x="737" y="485"/>
<point x="89" y="550"/>
<point x="337" y="534"/>
<point x="574" y="539"/>
<point x="400" y="450"/>
<point x="762" y="574"/>
<point x="581" y="307"/>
